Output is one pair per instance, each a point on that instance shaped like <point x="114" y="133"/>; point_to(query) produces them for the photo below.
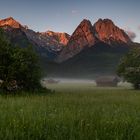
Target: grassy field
<point x="74" y="112"/>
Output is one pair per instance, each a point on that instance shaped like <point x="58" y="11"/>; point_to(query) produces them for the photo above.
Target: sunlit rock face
<point x="43" y="40"/>
<point x="10" y="22"/>
<point x="82" y="37"/>
<point x="51" y="41"/>
<point x="107" y="32"/>
<point x="91" y="49"/>
<point x="87" y="35"/>
<point x="62" y="38"/>
<point x="62" y="45"/>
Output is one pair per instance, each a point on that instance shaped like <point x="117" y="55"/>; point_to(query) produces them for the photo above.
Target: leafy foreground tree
<point x="19" y="68"/>
<point x="129" y="67"/>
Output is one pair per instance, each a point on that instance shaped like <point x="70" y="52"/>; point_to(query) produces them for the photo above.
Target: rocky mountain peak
<point x="62" y="38"/>
<point x="10" y="21"/>
<point x="85" y="22"/>
<point x="81" y="38"/>
<point x="106" y="21"/>
<point x="107" y="32"/>
<point x="83" y="35"/>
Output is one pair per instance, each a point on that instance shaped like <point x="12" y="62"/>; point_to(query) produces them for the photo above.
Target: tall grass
<point x="72" y="114"/>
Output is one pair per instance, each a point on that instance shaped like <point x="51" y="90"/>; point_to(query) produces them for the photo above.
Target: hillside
<point x="92" y="49"/>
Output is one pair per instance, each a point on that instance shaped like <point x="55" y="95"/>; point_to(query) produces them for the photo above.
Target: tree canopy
<point x="129" y="67"/>
<point x="19" y="67"/>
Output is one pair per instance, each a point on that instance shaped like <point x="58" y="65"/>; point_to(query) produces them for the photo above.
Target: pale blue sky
<point x="65" y="15"/>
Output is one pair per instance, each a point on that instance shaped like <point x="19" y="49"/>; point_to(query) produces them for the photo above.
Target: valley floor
<point x="76" y="111"/>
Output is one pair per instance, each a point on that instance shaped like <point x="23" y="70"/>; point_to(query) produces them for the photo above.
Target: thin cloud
<point x="74" y="11"/>
<point x="139" y="27"/>
<point x="131" y="34"/>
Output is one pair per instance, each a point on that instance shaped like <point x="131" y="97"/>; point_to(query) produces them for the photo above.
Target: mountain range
<point x="90" y="51"/>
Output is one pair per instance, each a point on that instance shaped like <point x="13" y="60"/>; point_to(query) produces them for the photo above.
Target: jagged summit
<point x="10" y="21"/>
<point x="50" y="41"/>
<point x="85" y="21"/>
<point x="83" y="35"/>
<point x="51" y="32"/>
<point x="87" y="35"/>
<point x="107" y="32"/>
<point x="63" y="38"/>
<point x="90" y="49"/>
<point x="65" y="46"/>
<point x="106" y="20"/>
<point x="81" y="38"/>
<point x="9" y="18"/>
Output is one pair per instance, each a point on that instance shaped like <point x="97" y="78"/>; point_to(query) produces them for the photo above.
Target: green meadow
<point x="75" y="111"/>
